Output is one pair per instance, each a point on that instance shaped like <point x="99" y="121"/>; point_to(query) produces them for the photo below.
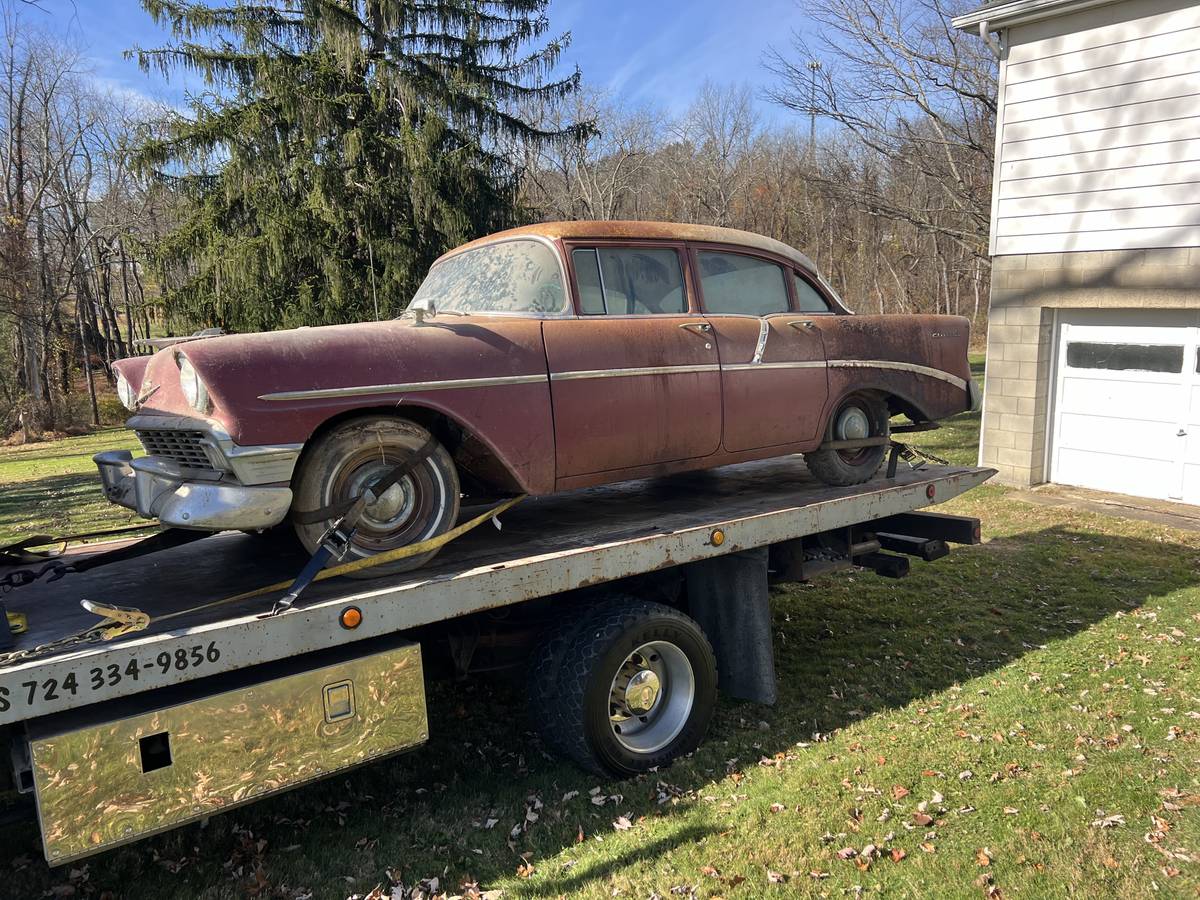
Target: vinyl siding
<point x="1099" y="140"/>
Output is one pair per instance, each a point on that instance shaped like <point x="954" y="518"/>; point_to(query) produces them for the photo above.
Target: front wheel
<point x="356" y="454"/>
<point x="633" y="688"/>
<point x="857" y="417"/>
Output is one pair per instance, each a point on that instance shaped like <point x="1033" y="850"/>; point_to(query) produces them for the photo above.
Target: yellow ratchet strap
<point x="358" y="565"/>
<point x="17" y="623"/>
<point x="118" y="620"/>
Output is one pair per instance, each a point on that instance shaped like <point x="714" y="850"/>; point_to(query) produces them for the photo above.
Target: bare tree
<point x="911" y="90"/>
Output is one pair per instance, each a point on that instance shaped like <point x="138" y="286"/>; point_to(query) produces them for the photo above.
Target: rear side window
<point x="733" y="283"/>
<point x="620" y="281"/>
<point x="808" y="298"/>
<point x="1125" y="357"/>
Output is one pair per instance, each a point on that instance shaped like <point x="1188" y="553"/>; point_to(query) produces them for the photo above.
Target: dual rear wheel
<point x="628" y="686"/>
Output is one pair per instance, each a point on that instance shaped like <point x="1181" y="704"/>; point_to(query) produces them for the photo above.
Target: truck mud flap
<point x="100" y="784"/>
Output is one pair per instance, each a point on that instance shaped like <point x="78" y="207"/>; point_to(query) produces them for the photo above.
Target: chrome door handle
<point x="701" y="327"/>
<point x="802" y="323"/>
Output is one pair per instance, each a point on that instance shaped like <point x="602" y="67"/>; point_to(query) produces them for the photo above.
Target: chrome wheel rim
<point x="651" y="697"/>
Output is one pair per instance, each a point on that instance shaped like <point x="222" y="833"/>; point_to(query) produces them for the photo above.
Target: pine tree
<point x="341" y="147"/>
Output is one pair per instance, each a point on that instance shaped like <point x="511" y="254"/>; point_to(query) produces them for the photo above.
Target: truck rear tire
<point x="632" y="688"/>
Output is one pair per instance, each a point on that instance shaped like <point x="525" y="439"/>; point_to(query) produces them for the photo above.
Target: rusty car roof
<point x="618" y="229"/>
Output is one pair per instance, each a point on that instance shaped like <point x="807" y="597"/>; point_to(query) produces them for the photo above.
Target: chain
<point x="87" y="636"/>
<point x="910" y="453"/>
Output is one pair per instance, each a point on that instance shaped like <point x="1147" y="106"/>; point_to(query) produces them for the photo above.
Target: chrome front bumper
<point x="160" y="489"/>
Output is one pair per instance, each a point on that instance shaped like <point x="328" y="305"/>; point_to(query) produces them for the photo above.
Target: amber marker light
<point x="351" y="617"/>
<point x="717" y="538"/>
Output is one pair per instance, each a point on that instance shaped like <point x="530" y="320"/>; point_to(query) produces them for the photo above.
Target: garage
<point x="1127" y="410"/>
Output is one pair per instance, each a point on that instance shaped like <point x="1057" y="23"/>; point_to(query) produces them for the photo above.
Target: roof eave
<point x="1020" y="12"/>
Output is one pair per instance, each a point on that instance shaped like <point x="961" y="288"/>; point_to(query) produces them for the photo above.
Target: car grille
<point x="182" y="447"/>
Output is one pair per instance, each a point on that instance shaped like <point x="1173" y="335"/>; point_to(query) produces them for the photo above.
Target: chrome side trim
<point x="628" y="373"/>
<point x="899" y="367"/>
<point x="499" y="381"/>
<point x="409" y="387"/>
<point x="751" y="367"/>
<point x="764" y="328"/>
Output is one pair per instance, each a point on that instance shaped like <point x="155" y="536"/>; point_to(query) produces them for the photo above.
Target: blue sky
<point x="653" y="51"/>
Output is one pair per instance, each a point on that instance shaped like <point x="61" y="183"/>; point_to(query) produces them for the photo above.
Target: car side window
<point x="735" y="283"/>
<point x="620" y="281"/>
<point x="808" y="298"/>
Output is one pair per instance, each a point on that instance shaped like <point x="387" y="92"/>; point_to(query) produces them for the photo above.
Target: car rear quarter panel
<point x="936" y="342"/>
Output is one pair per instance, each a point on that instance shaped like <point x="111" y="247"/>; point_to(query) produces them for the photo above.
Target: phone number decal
<point x="108" y="675"/>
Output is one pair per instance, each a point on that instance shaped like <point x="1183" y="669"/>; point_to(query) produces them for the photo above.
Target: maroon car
<point x="541" y="359"/>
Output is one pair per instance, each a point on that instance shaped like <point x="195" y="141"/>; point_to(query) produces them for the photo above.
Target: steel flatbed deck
<point x="546" y="546"/>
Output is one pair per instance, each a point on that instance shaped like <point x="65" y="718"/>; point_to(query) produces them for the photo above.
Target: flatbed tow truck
<point x="211" y="707"/>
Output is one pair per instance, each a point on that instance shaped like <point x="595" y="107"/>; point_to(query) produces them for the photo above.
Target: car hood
<point x="250" y="377"/>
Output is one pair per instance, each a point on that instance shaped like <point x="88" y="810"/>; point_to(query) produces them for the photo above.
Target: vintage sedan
<point x="540" y="359"/>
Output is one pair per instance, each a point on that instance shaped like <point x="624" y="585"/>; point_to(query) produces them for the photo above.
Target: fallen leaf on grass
<point x="899" y="791"/>
<point x="622" y="823"/>
<point x="983" y="857"/>
<point x="898" y="854"/>
<point x="1109" y="821"/>
<point x="847" y="853"/>
<point x="922" y="818"/>
<point x="928" y="847"/>
<point x="777" y="807"/>
<point x="776" y="877"/>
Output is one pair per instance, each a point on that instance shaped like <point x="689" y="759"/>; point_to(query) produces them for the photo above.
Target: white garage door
<point x="1127" y="411"/>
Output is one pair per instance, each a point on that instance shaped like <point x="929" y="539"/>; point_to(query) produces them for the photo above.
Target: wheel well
<point x="480" y="470"/>
<point x="897" y="404"/>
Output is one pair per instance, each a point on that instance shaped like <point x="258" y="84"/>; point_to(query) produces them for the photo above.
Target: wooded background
<point x="339" y="146"/>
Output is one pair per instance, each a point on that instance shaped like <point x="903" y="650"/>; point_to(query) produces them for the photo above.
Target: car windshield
<point x="520" y="276"/>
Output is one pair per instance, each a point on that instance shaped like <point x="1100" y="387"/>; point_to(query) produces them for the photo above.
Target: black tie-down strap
<point x="378" y="489"/>
<point x="57" y="567"/>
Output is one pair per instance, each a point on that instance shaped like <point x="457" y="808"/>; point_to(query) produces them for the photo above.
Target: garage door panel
<point x="1127" y="410"/>
<point x="1120" y="474"/>
<point x="1145" y="440"/>
<point x="1142" y="402"/>
<point x="1191" y="483"/>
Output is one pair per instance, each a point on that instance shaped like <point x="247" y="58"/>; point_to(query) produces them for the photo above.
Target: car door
<point x="773" y="380"/>
<point x="634" y="378"/>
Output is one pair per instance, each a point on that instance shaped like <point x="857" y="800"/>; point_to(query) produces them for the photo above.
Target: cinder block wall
<point x="1026" y="291"/>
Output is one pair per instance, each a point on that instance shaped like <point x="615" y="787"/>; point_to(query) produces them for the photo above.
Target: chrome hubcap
<point x="389" y="510"/>
<point x="642" y="692"/>
<point x="853" y="425"/>
<point x="651" y="697"/>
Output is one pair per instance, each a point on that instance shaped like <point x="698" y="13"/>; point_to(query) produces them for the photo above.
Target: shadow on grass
<point x="846" y="648"/>
<point x="48" y="500"/>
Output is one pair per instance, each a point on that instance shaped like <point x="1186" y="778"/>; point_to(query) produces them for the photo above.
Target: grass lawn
<point x="53" y="487"/>
<point x="1017" y="720"/>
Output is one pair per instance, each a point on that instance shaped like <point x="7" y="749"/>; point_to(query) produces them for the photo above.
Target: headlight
<point x="193" y="388"/>
<point x="125" y="392"/>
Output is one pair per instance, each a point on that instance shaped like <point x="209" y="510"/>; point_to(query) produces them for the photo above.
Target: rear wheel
<point x="634" y="687"/>
<point x="357" y="453"/>
<point x="858" y="416"/>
